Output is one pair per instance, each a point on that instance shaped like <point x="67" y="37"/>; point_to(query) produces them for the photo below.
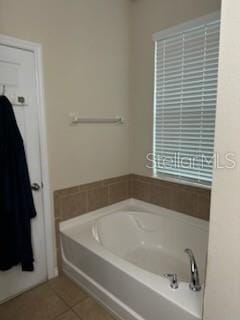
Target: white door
<point x="17" y="74"/>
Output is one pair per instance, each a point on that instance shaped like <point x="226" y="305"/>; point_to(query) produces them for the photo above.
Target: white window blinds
<point x="186" y="69"/>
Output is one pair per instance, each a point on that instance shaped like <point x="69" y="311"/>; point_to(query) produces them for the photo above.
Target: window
<point x="186" y="69"/>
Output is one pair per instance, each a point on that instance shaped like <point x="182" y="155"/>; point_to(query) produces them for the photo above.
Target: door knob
<point x="35" y="187"/>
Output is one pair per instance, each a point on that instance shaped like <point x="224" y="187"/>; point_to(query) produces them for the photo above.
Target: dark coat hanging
<point x="16" y="200"/>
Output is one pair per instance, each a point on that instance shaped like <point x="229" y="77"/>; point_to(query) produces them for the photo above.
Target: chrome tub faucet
<point x="195" y="282"/>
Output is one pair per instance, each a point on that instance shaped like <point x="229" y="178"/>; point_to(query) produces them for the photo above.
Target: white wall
<point x="86" y="58"/>
<point x="222" y="299"/>
<point x="148" y="17"/>
<point x="87" y="70"/>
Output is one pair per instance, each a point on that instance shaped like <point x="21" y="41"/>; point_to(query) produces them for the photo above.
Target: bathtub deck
<point x="151" y="259"/>
<point x="58" y="299"/>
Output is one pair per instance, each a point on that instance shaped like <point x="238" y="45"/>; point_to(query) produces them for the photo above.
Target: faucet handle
<point x="173" y="280"/>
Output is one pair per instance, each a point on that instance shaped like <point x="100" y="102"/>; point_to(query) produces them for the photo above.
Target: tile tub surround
<point x="193" y="201"/>
<point x="74" y="201"/>
<point x="78" y="200"/>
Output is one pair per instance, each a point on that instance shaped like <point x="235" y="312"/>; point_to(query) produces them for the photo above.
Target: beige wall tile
<point x="118" y="192"/>
<point x="204" y="200"/>
<point x="57" y="205"/>
<point x="97" y="198"/>
<point x="57" y="221"/>
<point x="189" y="200"/>
<point x="116" y="180"/>
<point x="140" y="190"/>
<point x="161" y="196"/>
<point x="183" y="201"/>
<point x="66" y="191"/>
<point x="74" y="201"/>
<point x="73" y="205"/>
<point x="91" y="186"/>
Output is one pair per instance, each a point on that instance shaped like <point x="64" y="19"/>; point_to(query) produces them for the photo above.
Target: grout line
<point x="87" y="200"/>
<point x="61" y="314"/>
<point x="80" y="301"/>
<point x="108" y="194"/>
<point x="57" y="295"/>
<point x="70" y="307"/>
<point x="61" y="298"/>
<point x="77" y="315"/>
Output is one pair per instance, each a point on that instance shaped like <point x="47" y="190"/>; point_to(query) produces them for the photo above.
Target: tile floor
<point x="58" y="299"/>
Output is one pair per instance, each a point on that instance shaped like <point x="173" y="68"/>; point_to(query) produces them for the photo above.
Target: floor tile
<point x="67" y="290"/>
<point x="88" y="309"/>
<point x="69" y="315"/>
<point x="40" y="303"/>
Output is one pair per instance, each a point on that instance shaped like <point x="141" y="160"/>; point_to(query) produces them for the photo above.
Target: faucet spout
<point x="195" y="282"/>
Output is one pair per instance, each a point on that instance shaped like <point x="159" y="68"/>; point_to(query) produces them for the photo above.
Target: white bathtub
<point x="120" y="253"/>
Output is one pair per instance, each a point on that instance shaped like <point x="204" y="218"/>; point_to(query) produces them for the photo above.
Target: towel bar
<point x="78" y="120"/>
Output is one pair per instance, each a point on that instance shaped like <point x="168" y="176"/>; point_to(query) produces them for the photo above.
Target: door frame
<point x="49" y="225"/>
